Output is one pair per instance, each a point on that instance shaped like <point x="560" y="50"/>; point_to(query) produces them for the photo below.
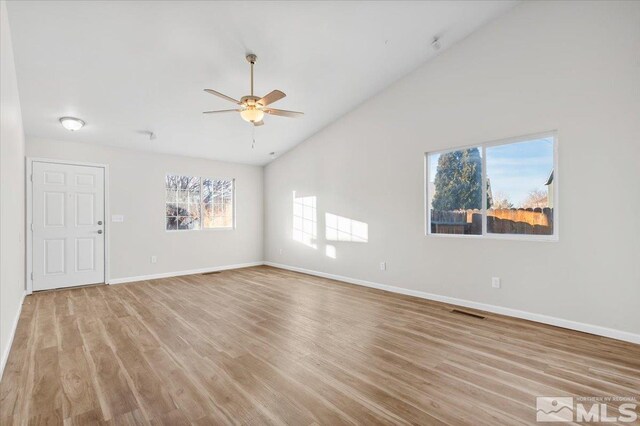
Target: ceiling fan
<point x="253" y="108"/>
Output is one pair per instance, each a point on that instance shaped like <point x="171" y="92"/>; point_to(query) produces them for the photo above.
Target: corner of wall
<point x="12" y="198"/>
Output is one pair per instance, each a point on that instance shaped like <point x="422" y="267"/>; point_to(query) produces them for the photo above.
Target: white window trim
<point x="202" y="228"/>
<point x="555" y="237"/>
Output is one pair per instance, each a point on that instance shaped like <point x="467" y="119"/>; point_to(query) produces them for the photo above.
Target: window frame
<point x="201" y="204"/>
<point x="555" y="237"/>
<point x="233" y="205"/>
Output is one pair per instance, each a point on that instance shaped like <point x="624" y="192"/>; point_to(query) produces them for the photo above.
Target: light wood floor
<point x="267" y="346"/>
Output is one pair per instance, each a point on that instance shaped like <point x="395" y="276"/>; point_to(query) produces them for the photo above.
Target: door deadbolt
<point x="99" y="222"/>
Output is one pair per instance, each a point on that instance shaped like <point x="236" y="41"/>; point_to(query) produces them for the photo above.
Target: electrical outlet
<point x="383" y="266"/>
<point x="495" y="282"/>
<point x="154" y="259"/>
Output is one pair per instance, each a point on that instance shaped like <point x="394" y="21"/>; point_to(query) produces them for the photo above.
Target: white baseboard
<point x="12" y="334"/>
<point x="179" y="273"/>
<point x="545" y="319"/>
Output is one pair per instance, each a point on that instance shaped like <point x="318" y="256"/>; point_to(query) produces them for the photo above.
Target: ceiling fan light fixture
<point x="252" y="114"/>
<point x="253" y="108"/>
<point x="71" y="123"/>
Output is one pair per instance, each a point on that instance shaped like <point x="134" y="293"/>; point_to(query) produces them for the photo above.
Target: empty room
<point x="319" y="212"/>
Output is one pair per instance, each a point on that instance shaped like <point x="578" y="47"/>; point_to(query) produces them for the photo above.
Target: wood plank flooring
<point x="267" y="346"/>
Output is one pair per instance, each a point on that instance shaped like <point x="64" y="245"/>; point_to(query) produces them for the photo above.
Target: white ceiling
<point x="128" y="67"/>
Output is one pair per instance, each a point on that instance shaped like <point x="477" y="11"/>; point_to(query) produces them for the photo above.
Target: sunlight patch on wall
<point x="305" y="220"/>
<point x="340" y="228"/>
<point x="330" y="251"/>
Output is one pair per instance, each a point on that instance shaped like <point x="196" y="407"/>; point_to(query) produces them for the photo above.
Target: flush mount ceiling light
<point x="71" y="123"/>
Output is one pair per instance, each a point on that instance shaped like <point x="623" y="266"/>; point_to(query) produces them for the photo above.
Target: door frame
<point x="29" y="213"/>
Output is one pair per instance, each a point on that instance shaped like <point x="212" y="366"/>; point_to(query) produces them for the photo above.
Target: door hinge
<point x="31" y="177"/>
<point x="32" y="276"/>
<point x="32" y="226"/>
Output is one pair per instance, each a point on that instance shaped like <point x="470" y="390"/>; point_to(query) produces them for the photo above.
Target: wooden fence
<point x="538" y="221"/>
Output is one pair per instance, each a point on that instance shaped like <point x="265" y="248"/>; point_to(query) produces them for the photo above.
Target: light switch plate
<point x="117" y="218"/>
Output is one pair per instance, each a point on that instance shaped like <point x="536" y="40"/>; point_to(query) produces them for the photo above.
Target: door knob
<point x="99" y="222"/>
<point x="100" y="231"/>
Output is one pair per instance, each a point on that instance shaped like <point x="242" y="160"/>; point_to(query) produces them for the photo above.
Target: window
<point x="499" y="189"/>
<point x="217" y="203"/>
<point x="455" y="191"/>
<point x="194" y="203"/>
<point x="182" y="202"/>
<point x="520" y="185"/>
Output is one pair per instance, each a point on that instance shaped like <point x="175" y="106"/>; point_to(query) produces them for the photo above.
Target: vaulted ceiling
<point x="136" y="66"/>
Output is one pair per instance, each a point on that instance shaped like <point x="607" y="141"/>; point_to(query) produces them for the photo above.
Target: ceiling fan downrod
<point x="252" y="60"/>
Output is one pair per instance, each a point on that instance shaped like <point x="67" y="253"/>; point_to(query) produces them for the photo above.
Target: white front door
<point x="68" y="225"/>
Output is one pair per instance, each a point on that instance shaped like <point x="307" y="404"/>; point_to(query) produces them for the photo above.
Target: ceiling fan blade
<point x="272" y="97"/>
<point x="222" y="110"/>
<point x="213" y="92"/>
<point x="283" y="113"/>
<point x="258" y="123"/>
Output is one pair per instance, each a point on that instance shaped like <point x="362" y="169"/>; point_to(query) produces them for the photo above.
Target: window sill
<point x="199" y="230"/>
<point x="506" y="237"/>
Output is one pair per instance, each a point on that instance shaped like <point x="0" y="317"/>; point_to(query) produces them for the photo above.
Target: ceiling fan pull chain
<point x="253" y="138"/>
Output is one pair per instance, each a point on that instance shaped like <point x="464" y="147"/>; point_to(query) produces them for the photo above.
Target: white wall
<point x="570" y="66"/>
<point x="137" y="191"/>
<point x="11" y="192"/>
